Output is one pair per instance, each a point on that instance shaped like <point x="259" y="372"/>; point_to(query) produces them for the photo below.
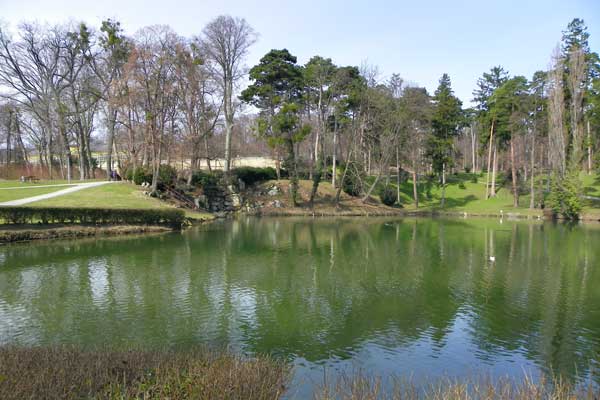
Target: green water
<point x="416" y="297"/>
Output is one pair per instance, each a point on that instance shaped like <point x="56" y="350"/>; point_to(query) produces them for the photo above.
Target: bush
<point x="128" y="175"/>
<point x="141" y="175"/>
<point x="388" y="196"/>
<point x="461" y="185"/>
<point x="93" y="216"/>
<point x="564" y="196"/>
<point x="474" y="178"/>
<point x="252" y="175"/>
<point x="166" y="174"/>
<point x="206" y="180"/>
<point x="352" y="183"/>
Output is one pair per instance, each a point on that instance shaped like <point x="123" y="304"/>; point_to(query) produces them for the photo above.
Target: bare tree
<point x="152" y="66"/>
<point x="225" y="42"/>
<point x="197" y="101"/>
<point x="576" y="83"/>
<point x="556" y="126"/>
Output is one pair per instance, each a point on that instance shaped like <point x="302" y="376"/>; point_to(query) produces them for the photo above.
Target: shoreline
<point x="98" y="373"/>
<point x="26" y="233"/>
<point x="302" y="212"/>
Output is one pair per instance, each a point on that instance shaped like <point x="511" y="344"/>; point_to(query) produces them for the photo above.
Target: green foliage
<point x="564" y="195"/>
<point x="388" y="196"/>
<point x="461" y="185"/>
<point x="474" y="178"/>
<point x="252" y="175"/>
<point x="128" y="174"/>
<point x="141" y="175"/>
<point x="277" y="90"/>
<point x="167" y="174"/>
<point x="352" y="183"/>
<point x="508" y="108"/>
<point x="446" y="120"/>
<point x="206" y="180"/>
<point x="93" y="216"/>
<point x="277" y="79"/>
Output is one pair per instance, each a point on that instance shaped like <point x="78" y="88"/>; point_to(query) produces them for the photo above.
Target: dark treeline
<point x="158" y="98"/>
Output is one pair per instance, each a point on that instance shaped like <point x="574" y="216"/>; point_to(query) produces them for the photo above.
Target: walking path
<point x="41" y="186"/>
<point x="75" y="188"/>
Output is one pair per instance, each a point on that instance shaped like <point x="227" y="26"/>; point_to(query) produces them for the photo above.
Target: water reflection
<point x="402" y="296"/>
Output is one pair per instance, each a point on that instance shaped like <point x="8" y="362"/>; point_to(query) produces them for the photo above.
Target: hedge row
<point x="95" y="216"/>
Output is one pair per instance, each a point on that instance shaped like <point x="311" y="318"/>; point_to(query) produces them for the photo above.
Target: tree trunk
<point x="589" y="148"/>
<point x="8" y="135"/>
<point x="443" y="203"/>
<point x="112" y="116"/>
<point x="291" y="162"/>
<point x="63" y="133"/>
<point x="494" y="170"/>
<point x="341" y="185"/>
<point x="415" y="186"/>
<point x="228" y="111"/>
<point x="473" y="160"/>
<point x="334" y="156"/>
<point x="397" y="175"/>
<point x="514" y="173"/>
<point x="489" y="162"/>
<point x="368" y="194"/>
<point x="532" y="172"/>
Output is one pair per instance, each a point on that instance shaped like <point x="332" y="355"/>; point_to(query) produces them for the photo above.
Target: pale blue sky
<point x="418" y="39"/>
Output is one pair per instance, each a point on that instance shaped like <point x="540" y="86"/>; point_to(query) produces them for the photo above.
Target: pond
<point x="425" y="298"/>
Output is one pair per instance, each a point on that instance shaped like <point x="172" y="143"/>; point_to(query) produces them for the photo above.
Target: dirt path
<point x="71" y="189"/>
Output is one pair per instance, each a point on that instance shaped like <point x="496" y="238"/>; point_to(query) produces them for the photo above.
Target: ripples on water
<point x="417" y="298"/>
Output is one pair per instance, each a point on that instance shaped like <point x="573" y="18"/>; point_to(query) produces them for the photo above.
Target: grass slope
<point x="17" y="194"/>
<point x="116" y="195"/>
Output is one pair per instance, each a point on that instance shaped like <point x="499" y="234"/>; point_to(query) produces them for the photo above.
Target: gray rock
<point x="236" y="200"/>
<point x="274" y="191"/>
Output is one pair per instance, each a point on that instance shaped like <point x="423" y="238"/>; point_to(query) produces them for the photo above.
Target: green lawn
<point x="470" y="196"/>
<point x="115" y="195"/>
<point x="16" y="183"/>
<point x="16" y="194"/>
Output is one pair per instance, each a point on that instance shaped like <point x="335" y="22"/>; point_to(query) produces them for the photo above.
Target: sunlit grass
<point x="17" y="194"/>
<point x="113" y="195"/>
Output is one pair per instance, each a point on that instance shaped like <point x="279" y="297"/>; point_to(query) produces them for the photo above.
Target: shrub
<point x="94" y="216"/>
<point x="252" y="175"/>
<point x="564" y="196"/>
<point x="388" y="196"/>
<point x="128" y="174"/>
<point x="141" y="175"/>
<point x="206" y="180"/>
<point x="474" y="178"/>
<point x="461" y="185"/>
<point x="167" y="174"/>
<point x="352" y="183"/>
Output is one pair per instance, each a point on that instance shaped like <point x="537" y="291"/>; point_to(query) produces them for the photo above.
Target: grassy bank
<point x="25" y="233"/>
<point x="361" y="387"/>
<point x="116" y="196"/>
<point x="465" y="193"/>
<point x="70" y="373"/>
